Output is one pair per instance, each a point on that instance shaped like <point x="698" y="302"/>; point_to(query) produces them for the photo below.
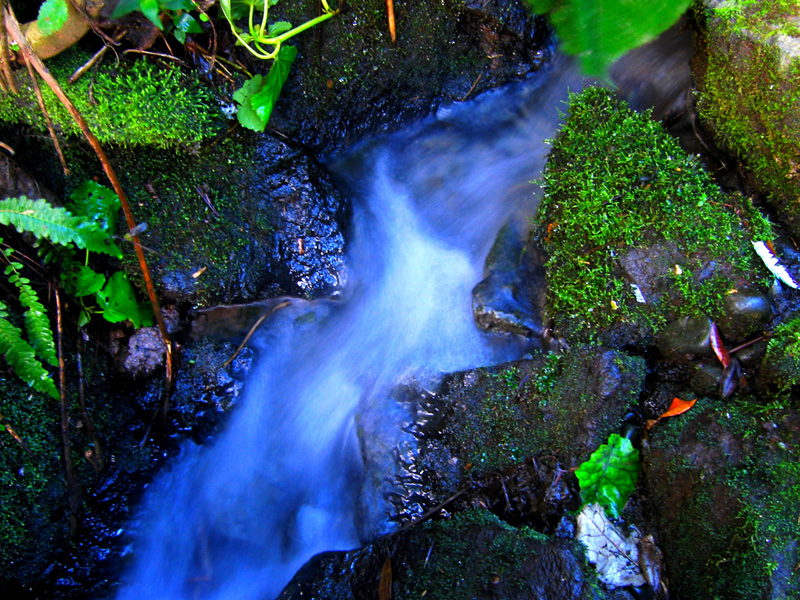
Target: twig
<point x="73" y="484"/>
<point x="251" y="332"/>
<point x="390" y="15"/>
<point x="213" y="60"/>
<point x="95" y="457"/>
<point x="13" y="28"/>
<point x="7" y="148"/>
<point x="50" y="129"/>
<point x="7" y="81"/>
<point x="14" y="434"/>
<point x="158" y="54"/>
<point x="81" y="71"/>
<point x="746" y="344"/>
<point x="474" y="83"/>
<point x="428" y="514"/>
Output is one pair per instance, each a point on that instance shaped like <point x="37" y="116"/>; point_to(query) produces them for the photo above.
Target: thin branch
<point x="95" y="456"/>
<point x="390" y="15"/>
<point x="252" y="331"/>
<point x="13" y="28"/>
<point x="4" y="422"/>
<point x="7" y="81"/>
<point x="73" y="484"/>
<point x="50" y="129"/>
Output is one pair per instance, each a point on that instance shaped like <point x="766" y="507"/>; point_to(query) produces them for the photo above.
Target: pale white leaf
<point x="773" y="264"/>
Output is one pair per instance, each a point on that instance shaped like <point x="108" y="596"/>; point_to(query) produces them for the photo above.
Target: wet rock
<point x="722" y="491"/>
<point x="688" y="336"/>
<point x="746" y="313"/>
<point x="16" y="181"/>
<point x="511" y="298"/>
<point x="351" y="80"/>
<point x="470" y="556"/>
<point x="144" y="355"/>
<point x="476" y="422"/>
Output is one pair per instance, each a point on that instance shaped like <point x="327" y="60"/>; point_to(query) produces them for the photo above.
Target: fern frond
<point x="56" y="224"/>
<point x="22" y="359"/>
<point x="37" y="324"/>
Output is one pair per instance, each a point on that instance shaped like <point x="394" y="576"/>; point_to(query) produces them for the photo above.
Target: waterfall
<point x="237" y="518"/>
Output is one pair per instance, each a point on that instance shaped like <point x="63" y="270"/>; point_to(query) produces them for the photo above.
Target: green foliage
<point x="600" y="31"/>
<point x="782" y="359"/>
<point x="40" y="218"/>
<point x="53" y="15"/>
<point x="609" y="476"/>
<point x="176" y="10"/>
<point x="129" y="104"/>
<point x="617" y="181"/>
<point x="21" y="357"/>
<point x="264" y="100"/>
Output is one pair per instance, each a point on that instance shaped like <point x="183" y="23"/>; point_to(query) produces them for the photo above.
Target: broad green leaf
<point x="151" y="10"/>
<point x="279" y="27"/>
<point x="53" y="14"/>
<point x="609" y="476"/>
<point x="96" y="202"/>
<point x="186" y="23"/>
<point x="246" y="115"/>
<point x="118" y="300"/>
<point x="600" y="31"/>
<point x="82" y="281"/>
<point x="124" y="7"/>
<point x="264" y="101"/>
<point x="56" y="224"/>
<point x="176" y="4"/>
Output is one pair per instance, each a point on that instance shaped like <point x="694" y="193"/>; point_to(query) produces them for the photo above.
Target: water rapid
<point x="237" y="518"/>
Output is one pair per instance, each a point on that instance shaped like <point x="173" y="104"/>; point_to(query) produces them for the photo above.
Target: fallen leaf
<point x="773" y="264"/>
<point x="718" y="346"/>
<point x="732" y="378"/>
<point x="678" y="407"/>
<point x="385" y="582"/>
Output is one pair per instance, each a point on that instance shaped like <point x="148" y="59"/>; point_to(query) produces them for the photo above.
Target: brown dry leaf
<point x="718" y="346"/>
<point x="385" y="582"/>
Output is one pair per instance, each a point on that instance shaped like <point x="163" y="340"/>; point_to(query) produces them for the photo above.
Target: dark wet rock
<point x="511" y="298"/>
<point x="476" y="422"/>
<point x="16" y="181"/>
<point x="350" y="80"/>
<point x="688" y="336"/>
<point x="706" y="377"/>
<point x="721" y="486"/>
<point x="470" y="556"/>
<point x="746" y="313"/>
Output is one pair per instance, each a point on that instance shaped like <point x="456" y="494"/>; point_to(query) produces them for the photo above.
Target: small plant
<point x="609" y="476"/>
<point x="180" y="22"/>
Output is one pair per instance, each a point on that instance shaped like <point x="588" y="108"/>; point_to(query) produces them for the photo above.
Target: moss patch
<point x="749" y="86"/>
<point x="133" y="103"/>
<point x="781" y="364"/>
<point x="616" y="184"/>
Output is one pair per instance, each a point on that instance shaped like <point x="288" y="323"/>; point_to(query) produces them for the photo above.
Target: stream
<point x="237" y="518"/>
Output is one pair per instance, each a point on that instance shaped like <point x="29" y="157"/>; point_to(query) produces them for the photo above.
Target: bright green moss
<point x="782" y="359"/>
<point x="616" y="181"/>
<point x="129" y="104"/>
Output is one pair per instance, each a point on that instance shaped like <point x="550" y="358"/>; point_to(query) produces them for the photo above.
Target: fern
<point x="22" y="358"/>
<point x="55" y="224"/>
<point x="37" y="324"/>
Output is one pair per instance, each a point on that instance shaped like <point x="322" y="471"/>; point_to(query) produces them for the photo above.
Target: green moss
<point x="134" y="103"/>
<point x="616" y="181"/>
<point x="750" y="95"/>
<point x="782" y="359"/>
<point x="453" y="571"/>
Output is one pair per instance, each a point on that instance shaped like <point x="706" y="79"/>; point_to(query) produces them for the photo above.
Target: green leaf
<point x="81" y="280"/>
<point x="600" y="31"/>
<point x="125" y="7"/>
<point x="186" y="23"/>
<point x="279" y="27"/>
<point x="246" y="115"/>
<point x="20" y="356"/>
<point x="264" y="101"/>
<point x="118" y="301"/>
<point x="56" y="224"/>
<point x="151" y="10"/>
<point x="53" y="14"/>
<point x="609" y="476"/>
<point x="98" y="203"/>
<point x="37" y="323"/>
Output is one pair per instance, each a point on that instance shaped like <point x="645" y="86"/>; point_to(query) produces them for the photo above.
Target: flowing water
<point x="236" y="519"/>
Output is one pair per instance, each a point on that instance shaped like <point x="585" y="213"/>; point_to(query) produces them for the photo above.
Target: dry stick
<point x="390" y="14"/>
<point x="251" y="332"/>
<point x="73" y="484"/>
<point x="95" y="457"/>
<point x="7" y="81"/>
<point x="13" y="28"/>
<point x="81" y="71"/>
<point x="50" y="129"/>
<point x="4" y="422"/>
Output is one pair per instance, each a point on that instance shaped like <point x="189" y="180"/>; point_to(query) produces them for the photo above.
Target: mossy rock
<point x="472" y="555"/>
<point x="723" y="487"/>
<point x="636" y="231"/>
<point x="128" y="102"/>
<point x="421" y="448"/>
<point x="748" y="78"/>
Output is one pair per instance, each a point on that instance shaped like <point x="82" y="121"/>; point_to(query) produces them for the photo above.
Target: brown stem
<point x="13" y="28"/>
<point x="95" y="456"/>
<point x="50" y="129"/>
<point x="7" y="81"/>
<point x="390" y="15"/>
<point x="73" y="484"/>
<point x="4" y="422"/>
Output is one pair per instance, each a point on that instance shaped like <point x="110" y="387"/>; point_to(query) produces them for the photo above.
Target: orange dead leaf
<point x="678" y="407"/>
<point x="385" y="582"/>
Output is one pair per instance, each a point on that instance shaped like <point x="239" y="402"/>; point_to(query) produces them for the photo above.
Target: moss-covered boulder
<point x="485" y="420"/>
<point x="748" y="80"/>
<point x="471" y="556"/>
<point x="722" y="488"/>
<point x="637" y="233"/>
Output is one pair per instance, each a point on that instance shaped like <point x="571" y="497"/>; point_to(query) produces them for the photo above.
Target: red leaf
<point x="718" y="346"/>
<point x="678" y="407"/>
